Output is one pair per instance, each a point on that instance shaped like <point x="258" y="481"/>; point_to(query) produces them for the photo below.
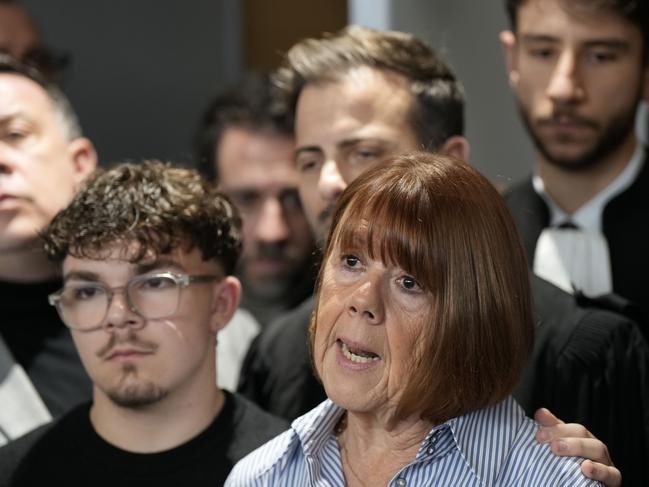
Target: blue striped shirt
<point x="494" y="446"/>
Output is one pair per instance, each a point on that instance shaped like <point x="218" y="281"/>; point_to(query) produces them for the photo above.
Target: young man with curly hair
<point x="147" y="252"/>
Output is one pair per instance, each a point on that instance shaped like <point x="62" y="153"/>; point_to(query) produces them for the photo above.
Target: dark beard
<point x="609" y="140"/>
<point x="132" y="396"/>
<point x="135" y="396"/>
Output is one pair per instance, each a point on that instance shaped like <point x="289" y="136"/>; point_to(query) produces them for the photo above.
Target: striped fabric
<point x="490" y="447"/>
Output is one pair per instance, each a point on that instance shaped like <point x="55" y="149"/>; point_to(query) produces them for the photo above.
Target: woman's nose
<point x="366" y="301"/>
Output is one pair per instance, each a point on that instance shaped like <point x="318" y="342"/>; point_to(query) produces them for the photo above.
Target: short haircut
<point x="635" y="11"/>
<point x="151" y="204"/>
<point x="252" y="105"/>
<point x="62" y="106"/>
<point x="437" y="110"/>
<point x="447" y="226"/>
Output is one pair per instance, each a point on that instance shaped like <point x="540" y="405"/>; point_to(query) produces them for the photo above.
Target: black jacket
<point x="625" y="224"/>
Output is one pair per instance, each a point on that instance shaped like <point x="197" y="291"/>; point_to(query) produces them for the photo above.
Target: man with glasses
<point x="147" y="254"/>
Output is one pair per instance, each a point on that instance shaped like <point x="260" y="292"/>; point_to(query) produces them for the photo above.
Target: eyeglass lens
<point x="84" y="305"/>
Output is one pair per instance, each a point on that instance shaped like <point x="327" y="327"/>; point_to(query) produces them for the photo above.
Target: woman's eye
<point x="350" y="261"/>
<point x="410" y="284"/>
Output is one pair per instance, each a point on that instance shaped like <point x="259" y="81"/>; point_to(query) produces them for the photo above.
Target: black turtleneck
<point x="42" y="345"/>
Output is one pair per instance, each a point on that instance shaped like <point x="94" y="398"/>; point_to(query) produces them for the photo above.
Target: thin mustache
<point x="560" y="115"/>
<point x="133" y="340"/>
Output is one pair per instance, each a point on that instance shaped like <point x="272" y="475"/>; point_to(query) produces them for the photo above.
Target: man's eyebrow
<point x="347" y="143"/>
<point x="343" y="144"/>
<point x="143" y="268"/>
<point x="616" y="44"/>
<point x="8" y="117"/>
<point x="307" y="148"/>
<point x="81" y="276"/>
<point x="538" y="38"/>
<point x="607" y="42"/>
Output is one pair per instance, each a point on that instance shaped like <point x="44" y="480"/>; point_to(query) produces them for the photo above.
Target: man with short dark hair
<point x="359" y="97"/>
<point x="245" y="145"/>
<point x="579" y="70"/>
<point x="147" y="252"/>
<point x="43" y="159"/>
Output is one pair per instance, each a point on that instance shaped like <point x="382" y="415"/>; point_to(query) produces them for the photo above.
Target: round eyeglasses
<point x="84" y="305"/>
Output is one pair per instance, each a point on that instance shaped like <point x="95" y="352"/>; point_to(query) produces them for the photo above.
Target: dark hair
<point x="251" y="105"/>
<point x="437" y="111"/>
<point x="63" y="108"/>
<point x="154" y="205"/>
<point x="635" y="11"/>
<point x="446" y="225"/>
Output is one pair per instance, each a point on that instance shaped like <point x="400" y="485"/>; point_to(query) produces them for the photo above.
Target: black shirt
<point x="71" y="453"/>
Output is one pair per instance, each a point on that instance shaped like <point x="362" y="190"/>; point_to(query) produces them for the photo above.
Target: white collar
<point x="589" y="215"/>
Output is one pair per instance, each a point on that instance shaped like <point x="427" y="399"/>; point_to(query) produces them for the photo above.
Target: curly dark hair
<point x="152" y="204"/>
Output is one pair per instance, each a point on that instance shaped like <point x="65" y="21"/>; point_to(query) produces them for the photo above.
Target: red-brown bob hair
<point x="446" y="225"/>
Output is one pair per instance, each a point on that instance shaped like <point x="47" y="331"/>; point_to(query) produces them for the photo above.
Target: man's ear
<point x="456" y="146"/>
<point x="508" y="42"/>
<point x="227" y="293"/>
<point x="84" y="158"/>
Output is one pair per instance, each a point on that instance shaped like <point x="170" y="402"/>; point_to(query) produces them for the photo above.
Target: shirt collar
<point x="314" y="428"/>
<point x="589" y="215"/>
<point x="463" y="433"/>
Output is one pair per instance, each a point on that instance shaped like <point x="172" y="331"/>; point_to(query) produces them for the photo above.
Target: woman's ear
<point x="227" y="293"/>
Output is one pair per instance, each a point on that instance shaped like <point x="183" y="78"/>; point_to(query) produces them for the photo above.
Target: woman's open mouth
<point x="357" y="355"/>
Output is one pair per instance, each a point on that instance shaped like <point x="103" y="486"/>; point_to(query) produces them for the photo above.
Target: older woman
<point x="421" y="329"/>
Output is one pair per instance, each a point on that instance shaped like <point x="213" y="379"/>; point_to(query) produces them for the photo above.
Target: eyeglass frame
<point x="182" y="281"/>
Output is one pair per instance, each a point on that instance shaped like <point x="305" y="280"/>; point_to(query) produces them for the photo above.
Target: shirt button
<point x="401" y="482"/>
<point x="430" y="450"/>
